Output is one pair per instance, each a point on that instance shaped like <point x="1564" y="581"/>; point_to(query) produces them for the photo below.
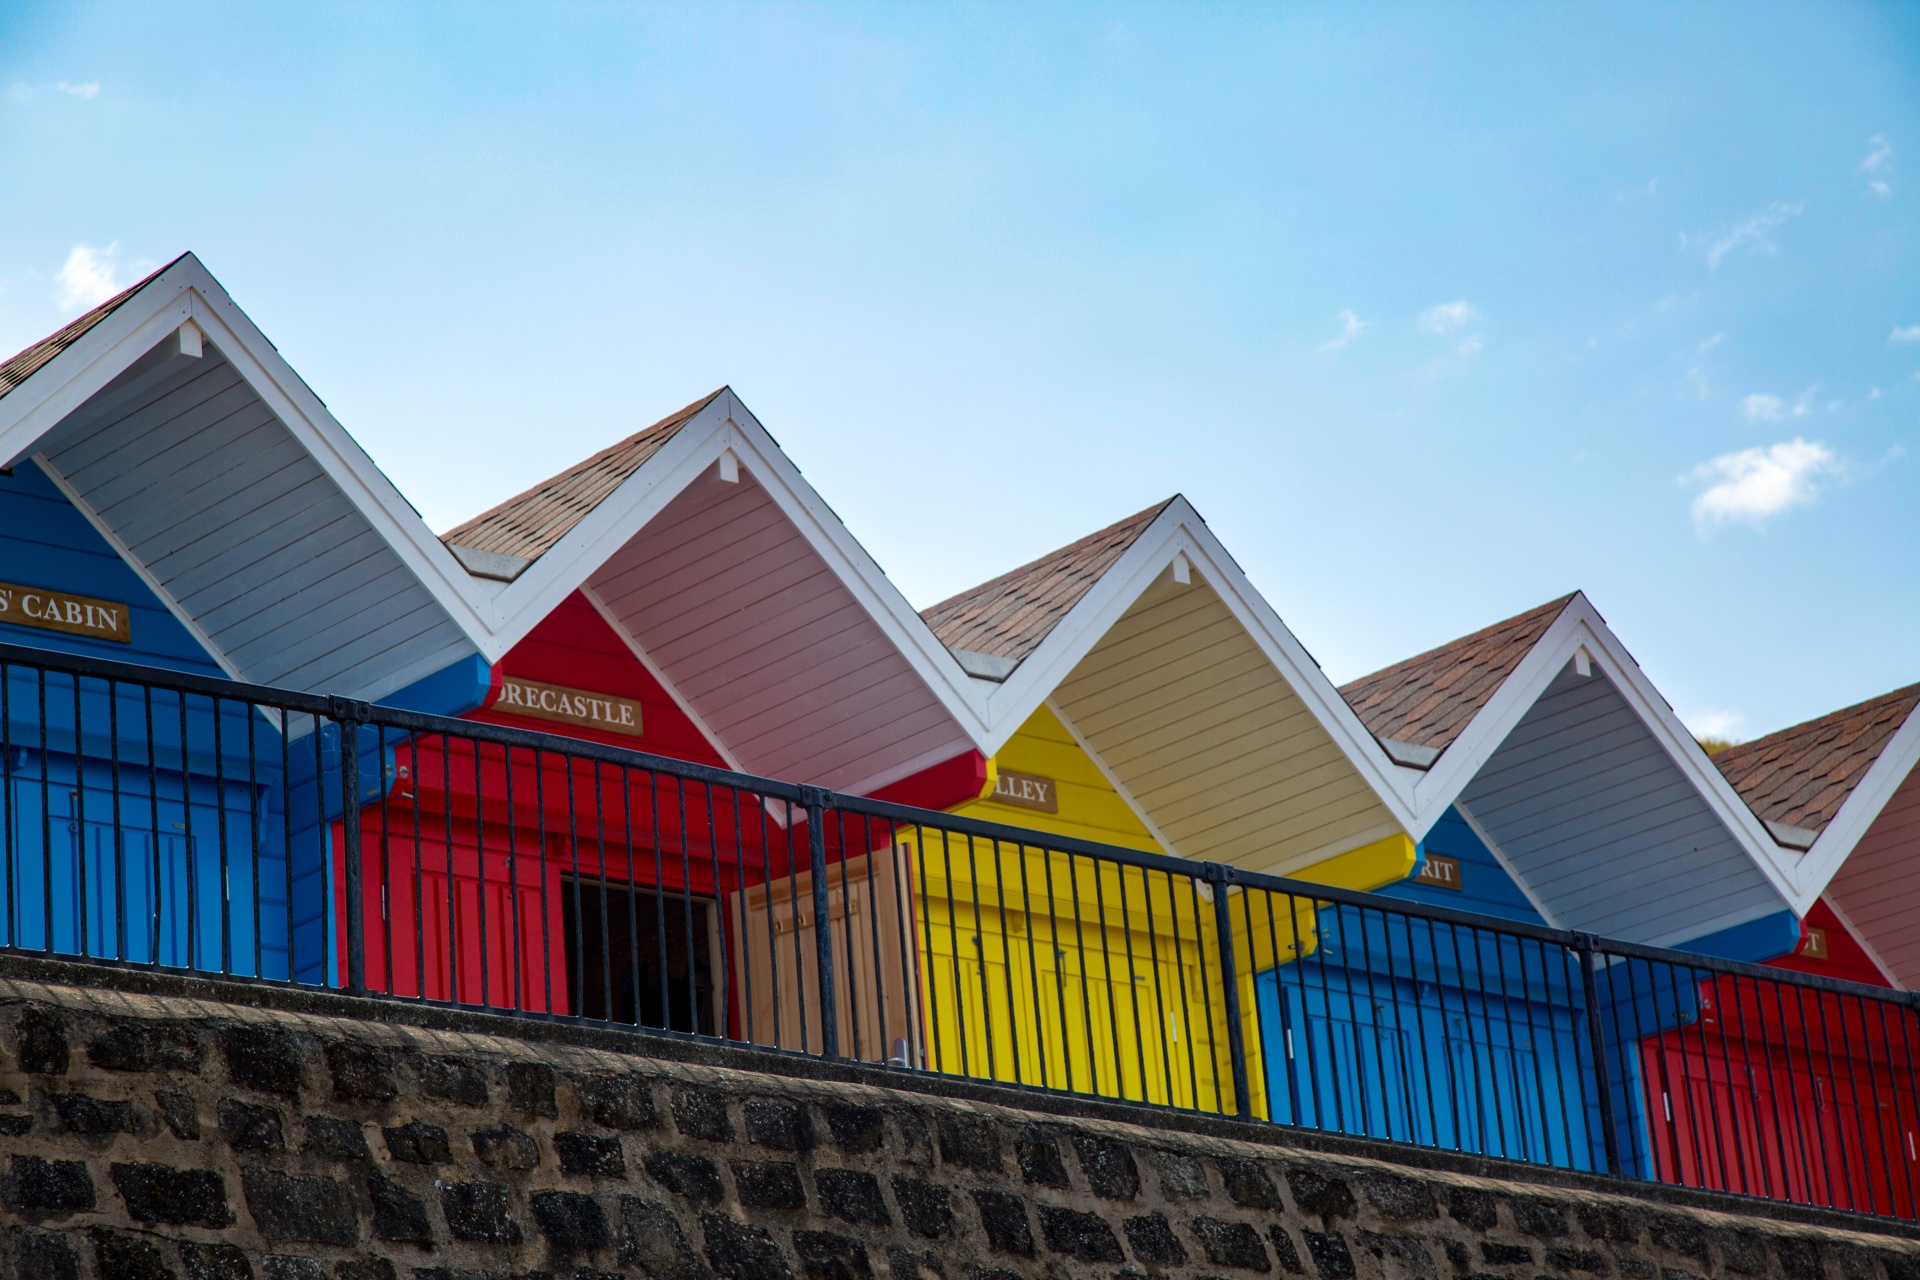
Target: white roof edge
<point x="186" y="290"/>
<point x="1581" y="626"/>
<point x="725" y="423"/>
<point x="1179" y="530"/>
<point x="1861" y="808"/>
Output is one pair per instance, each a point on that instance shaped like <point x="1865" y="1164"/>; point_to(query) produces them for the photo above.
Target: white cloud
<point x="1713" y="724"/>
<point x="1351" y="327"/>
<point x="86" y="92"/>
<point x="1877" y="168"/>
<point x="1762" y="408"/>
<point x="1752" y="485"/>
<point x="89" y="278"/>
<point x="1447" y="317"/>
<point x="1906" y="333"/>
<point x="1471" y="347"/>
<point x="1755" y="235"/>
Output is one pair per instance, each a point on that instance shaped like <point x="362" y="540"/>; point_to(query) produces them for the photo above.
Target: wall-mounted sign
<point x="569" y="706"/>
<point x="1440" y="871"/>
<point x="63" y="611"/>
<point x="1026" y="791"/>
<point x="1814" y="945"/>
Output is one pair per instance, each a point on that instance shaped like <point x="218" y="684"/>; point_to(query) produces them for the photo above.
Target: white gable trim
<point x="1580" y="627"/>
<point x="1113" y="780"/>
<point x="1861" y="809"/>
<point x="1506" y="864"/>
<point x="660" y="677"/>
<point x="1175" y="532"/>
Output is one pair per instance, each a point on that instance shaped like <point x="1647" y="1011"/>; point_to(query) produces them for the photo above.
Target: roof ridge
<point x="24" y="363"/>
<point x="1801" y="775"/>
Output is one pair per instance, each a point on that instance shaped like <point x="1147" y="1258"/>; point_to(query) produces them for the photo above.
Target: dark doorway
<point x="639" y="957"/>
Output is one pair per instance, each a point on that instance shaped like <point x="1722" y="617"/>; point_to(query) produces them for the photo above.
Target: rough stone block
<point x="741" y="1252"/>
<point x="1289" y="1256"/>
<point x="1583" y="1261"/>
<point x="694" y="1177"/>
<point x="1153" y="1241"/>
<point x="1038" y="1154"/>
<point x="286" y="1266"/>
<point x="1544" y="1218"/>
<point x="1087" y="1237"/>
<point x="90" y="1117"/>
<point x="1614" y="1222"/>
<point x="361" y="1073"/>
<point x="1231" y="1244"/>
<point x="1799" y="1258"/>
<point x="826" y="1256"/>
<point x="972" y="1142"/>
<point x="1675" y="1235"/>
<point x="40" y="1037"/>
<point x="120" y="1255"/>
<point x="651" y="1239"/>
<point x="1316" y="1193"/>
<point x="530" y="1089"/>
<point x="141" y="1046"/>
<point x="44" y="1255"/>
<point x="769" y="1184"/>
<point x="507" y="1148"/>
<point x="590" y="1155"/>
<point x="852" y="1195"/>
<point x="479" y="1212"/>
<point x="251" y="1128"/>
<point x="363" y="1269"/>
<point x="15" y="1126"/>
<point x="213" y="1261"/>
<point x="1331" y="1257"/>
<point x="1003" y="1215"/>
<point x="570" y="1221"/>
<point x="1399" y="1199"/>
<point x="1108" y="1165"/>
<point x="1181" y="1177"/>
<point x="702" y="1114"/>
<point x="1397" y="1255"/>
<point x="618" y="1102"/>
<point x="176" y="1197"/>
<point x="1248" y="1184"/>
<point x="398" y="1215"/>
<point x="180" y="1113"/>
<point x="1505" y="1255"/>
<point x="1745" y="1252"/>
<point x="308" y="1210"/>
<point x="38" y="1189"/>
<point x="781" y="1125"/>
<point x="926" y="1207"/>
<point x="417" y="1142"/>
<point x="337" y="1139"/>
<point x="454" y="1081"/>
<point x="856" y="1130"/>
<point x="1472" y="1208"/>
<point x="904" y="1264"/>
<point x="264" y="1059"/>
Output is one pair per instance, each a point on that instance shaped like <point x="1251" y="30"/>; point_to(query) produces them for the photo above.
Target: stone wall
<point x="163" y="1137"/>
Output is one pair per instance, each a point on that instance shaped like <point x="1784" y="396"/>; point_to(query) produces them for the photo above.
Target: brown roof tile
<point x="22" y="366"/>
<point x="530" y="524"/>
<point x="1427" y="700"/>
<point x="1802" y="775"/>
<point x="1010" y="616"/>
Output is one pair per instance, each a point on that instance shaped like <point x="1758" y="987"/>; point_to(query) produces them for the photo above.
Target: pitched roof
<point x="530" y="524"/>
<point x="1802" y="775"/>
<point x="1010" y="616"/>
<point x="1428" y="699"/>
<point x="23" y="365"/>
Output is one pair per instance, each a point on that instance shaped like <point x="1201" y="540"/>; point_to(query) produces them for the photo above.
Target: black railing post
<point x="348" y="715"/>
<point x="817" y="800"/>
<point x="1219" y="877"/>
<point x="1583" y="943"/>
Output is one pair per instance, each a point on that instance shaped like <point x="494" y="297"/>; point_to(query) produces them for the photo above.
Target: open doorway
<point x="639" y="956"/>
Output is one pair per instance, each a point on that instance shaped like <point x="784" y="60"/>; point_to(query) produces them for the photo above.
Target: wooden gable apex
<point x="1157" y="654"/>
<point x="171" y="422"/>
<point x="1550" y="740"/>
<point x="702" y="544"/>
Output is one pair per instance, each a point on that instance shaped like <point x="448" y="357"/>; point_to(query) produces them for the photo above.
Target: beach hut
<point x="174" y="496"/>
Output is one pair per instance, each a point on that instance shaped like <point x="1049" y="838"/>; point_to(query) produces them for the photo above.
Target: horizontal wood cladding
<point x="1878" y="886"/>
<point x="230" y="514"/>
<point x="1605" y="829"/>
<point x="767" y="645"/>
<point x="1210" y="739"/>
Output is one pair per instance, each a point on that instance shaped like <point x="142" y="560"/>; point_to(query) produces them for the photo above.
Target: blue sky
<point x="1435" y="312"/>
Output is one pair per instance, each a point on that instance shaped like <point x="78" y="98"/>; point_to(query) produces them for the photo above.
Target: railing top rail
<point x="1220" y="876"/>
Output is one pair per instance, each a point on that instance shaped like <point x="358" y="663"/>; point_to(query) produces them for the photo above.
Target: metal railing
<point x="168" y="821"/>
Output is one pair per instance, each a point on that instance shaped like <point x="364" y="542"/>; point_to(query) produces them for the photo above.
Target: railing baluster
<point x="1220" y="877"/>
<point x="816" y="801"/>
<point x="1590" y="996"/>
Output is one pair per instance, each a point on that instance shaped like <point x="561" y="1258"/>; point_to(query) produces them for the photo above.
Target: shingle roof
<point x="23" y="365"/>
<point x="530" y="524"/>
<point x="1010" y="616"/>
<point x="1802" y="775"/>
<point x="1427" y="700"/>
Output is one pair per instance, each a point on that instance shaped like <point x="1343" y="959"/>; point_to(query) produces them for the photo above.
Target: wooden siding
<point x="767" y="644"/>
<point x="1605" y="828"/>
<point x="212" y="494"/>
<point x="1090" y="809"/>
<point x="1212" y="742"/>
<point x="1878" y="886"/>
